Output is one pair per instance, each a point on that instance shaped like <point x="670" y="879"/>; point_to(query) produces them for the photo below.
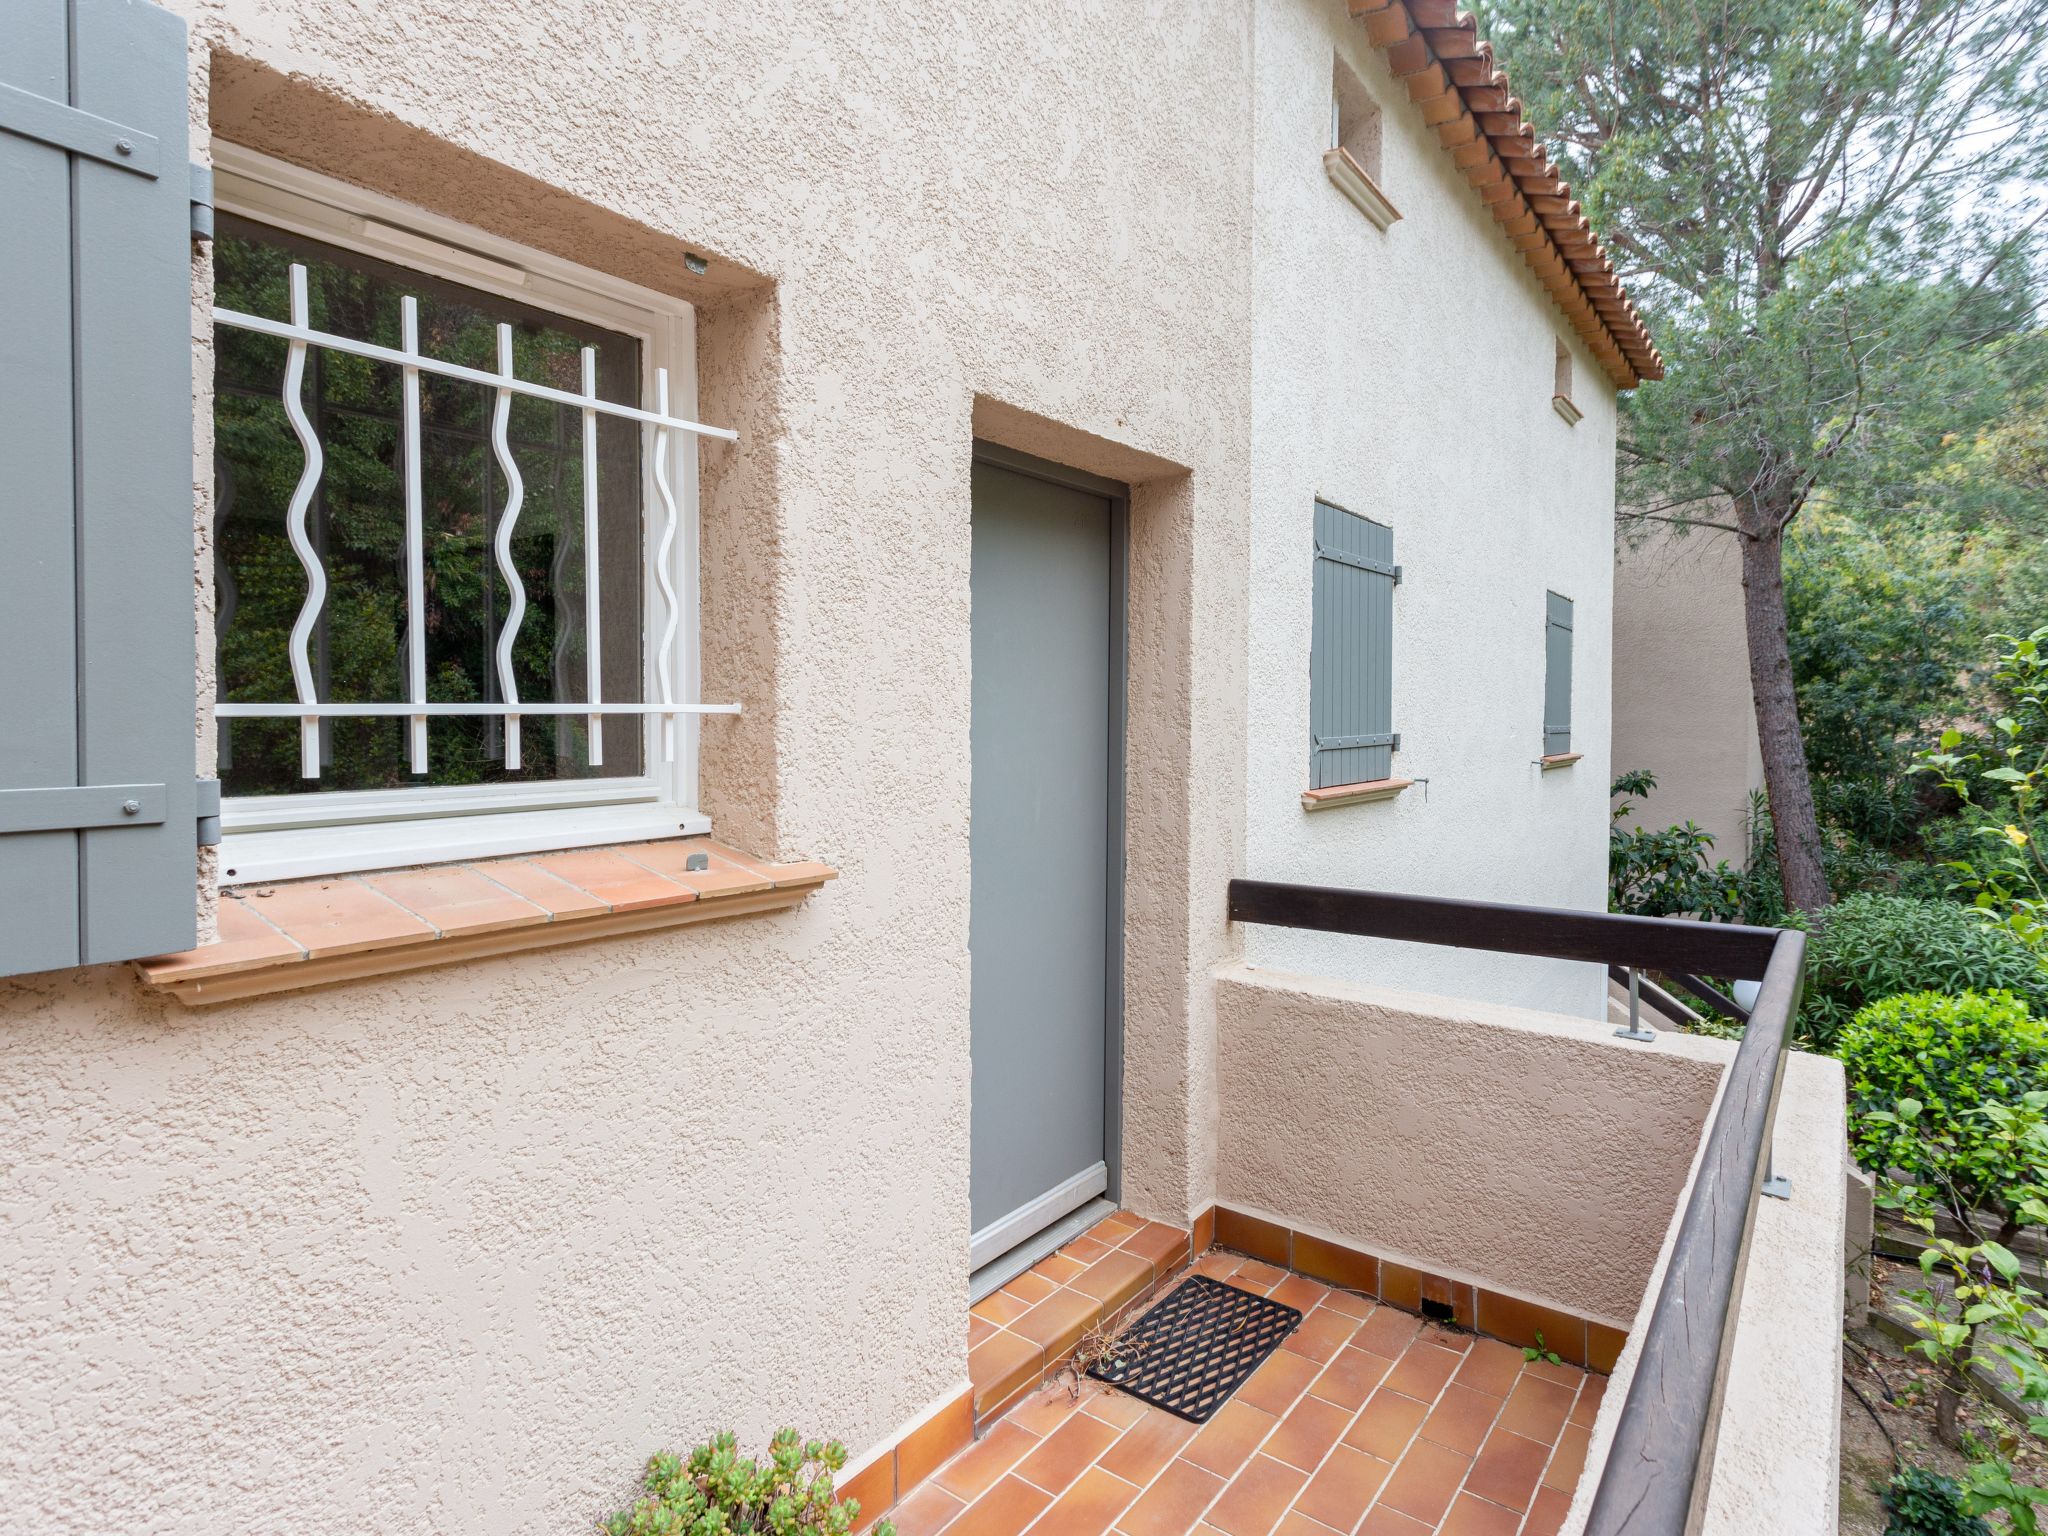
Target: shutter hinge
<point x="1345" y="743"/>
<point x="209" y="812"/>
<point x="1358" y="562"/>
<point x="202" y="203"/>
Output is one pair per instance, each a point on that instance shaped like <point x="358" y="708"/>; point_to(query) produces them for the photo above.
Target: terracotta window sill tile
<point x="309" y="933"/>
<point x="1352" y="794"/>
<point x="1559" y="760"/>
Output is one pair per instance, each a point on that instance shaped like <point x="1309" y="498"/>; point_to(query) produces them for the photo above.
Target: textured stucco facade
<point x="462" y="1247"/>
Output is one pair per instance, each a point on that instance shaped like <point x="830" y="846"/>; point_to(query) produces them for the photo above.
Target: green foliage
<point x="1924" y="1503"/>
<point x="1541" y="1351"/>
<point x="1663" y="871"/>
<point x="718" y="1491"/>
<point x="1868" y="947"/>
<point x="2004" y="788"/>
<point x="1947" y="1097"/>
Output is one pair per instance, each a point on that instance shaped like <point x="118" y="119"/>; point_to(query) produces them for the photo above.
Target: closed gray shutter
<point x="1351" y="654"/>
<point x="97" y="794"/>
<point x="1557" y="675"/>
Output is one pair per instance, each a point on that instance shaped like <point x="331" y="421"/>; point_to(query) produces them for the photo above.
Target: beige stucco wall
<point x="1532" y="1153"/>
<point x="1406" y="375"/>
<point x="1682" y="704"/>
<point x="467" y="1246"/>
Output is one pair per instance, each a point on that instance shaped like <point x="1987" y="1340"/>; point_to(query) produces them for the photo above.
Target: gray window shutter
<point x="1351" y="655"/>
<point x="97" y="793"/>
<point x="1557" y="675"/>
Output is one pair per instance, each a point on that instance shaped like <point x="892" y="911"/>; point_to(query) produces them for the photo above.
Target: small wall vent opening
<point x="1437" y="1311"/>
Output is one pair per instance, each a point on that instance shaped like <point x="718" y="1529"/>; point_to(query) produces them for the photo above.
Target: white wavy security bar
<point x="299" y="334"/>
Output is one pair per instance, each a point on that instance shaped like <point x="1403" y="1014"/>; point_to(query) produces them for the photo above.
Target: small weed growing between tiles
<point x="1541" y="1351"/>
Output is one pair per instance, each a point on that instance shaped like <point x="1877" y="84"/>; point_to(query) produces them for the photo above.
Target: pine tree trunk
<point x="1777" y="722"/>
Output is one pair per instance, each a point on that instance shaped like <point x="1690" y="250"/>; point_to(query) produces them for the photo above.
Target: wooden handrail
<point x="1654" y="1481"/>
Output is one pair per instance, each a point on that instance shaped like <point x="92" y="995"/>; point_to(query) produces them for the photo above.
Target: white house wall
<point x="1406" y="376"/>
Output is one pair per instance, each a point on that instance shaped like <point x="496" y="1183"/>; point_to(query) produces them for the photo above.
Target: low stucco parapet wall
<point x="1531" y="1153"/>
<point x="1775" y="1462"/>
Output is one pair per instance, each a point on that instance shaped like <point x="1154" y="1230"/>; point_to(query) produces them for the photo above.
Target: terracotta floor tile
<point x="1461" y="1419"/>
<point x="1425" y="1480"/>
<point x="1508" y="1469"/>
<point x="1275" y="1385"/>
<point x="1340" y="1491"/>
<point x="1164" y="1247"/>
<point x="1388" y="1331"/>
<point x="1350" y="1303"/>
<point x="1147" y="1446"/>
<point x="1066" y="1453"/>
<point x="1476" y="1517"/>
<point x="1254" y="1275"/>
<point x="1114" y="1279"/>
<point x="551" y="893"/>
<point x="1113" y="1407"/>
<point x="1307" y="1433"/>
<point x="1388" y="1522"/>
<point x="1000" y="1307"/>
<point x="1031" y="1288"/>
<point x="1387" y="1425"/>
<point x="1057" y="1323"/>
<point x="1519" y="1322"/>
<point x="1321" y="1334"/>
<point x="1568" y="1460"/>
<point x="1257" y="1497"/>
<point x="1087" y="1508"/>
<point x="1537" y="1408"/>
<point x="1218" y="1265"/>
<point x="999" y="1367"/>
<point x="985" y="1463"/>
<point x="1546" y="1514"/>
<point x="1564" y="1375"/>
<point x="336" y="917"/>
<point x="1349" y="1379"/>
<point x="1003" y="1511"/>
<point x="1587" y="1408"/>
<point x="620" y="883"/>
<point x="1295" y="1523"/>
<point x="928" y="1510"/>
<point x="1422" y="1372"/>
<point x="1227" y="1441"/>
<point x="1058" y="1268"/>
<point x="1297" y="1292"/>
<point x="1045" y="1411"/>
<point x="1490" y="1367"/>
<point x="1171" y="1505"/>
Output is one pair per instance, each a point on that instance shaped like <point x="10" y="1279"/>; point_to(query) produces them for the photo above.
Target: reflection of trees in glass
<point x="358" y="525"/>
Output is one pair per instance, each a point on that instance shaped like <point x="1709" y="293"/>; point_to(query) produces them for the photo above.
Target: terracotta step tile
<point x="1389" y="1522"/>
<point x="984" y="1464"/>
<point x="1275" y="1385"/>
<point x="1423" y="1371"/>
<point x="1546" y="1514"/>
<point x="1461" y="1419"/>
<point x="1476" y="1517"/>
<point x="1057" y="1323"/>
<point x="1003" y="1511"/>
<point x="1147" y="1446"/>
<point x="1164" y="1248"/>
<point x="1587" y="1408"/>
<point x="1031" y="1288"/>
<point x="1227" y="1441"/>
<point x="1568" y="1461"/>
<point x="620" y="883"/>
<point x="1425" y="1480"/>
<point x="1307" y="1433"/>
<point x="1508" y="1469"/>
<point x="1388" y="1331"/>
<point x="1115" y="1227"/>
<point x="1066" y="1453"/>
<point x="1348" y="1380"/>
<point x="1336" y="1264"/>
<point x="926" y="1512"/>
<point x="1257" y="1497"/>
<point x="336" y="917"/>
<point x="1386" y="1426"/>
<point x="999" y="1368"/>
<point x="1298" y="1293"/>
<point x="935" y="1442"/>
<point x="1321" y="1335"/>
<point x="1342" y="1488"/>
<point x="552" y="894"/>
<point x="1170" y="1506"/>
<point x="1085" y="1250"/>
<point x="1537" y="1408"/>
<point x="1116" y="1279"/>
<point x="978" y="1329"/>
<point x="1058" y="1268"/>
<point x="1000" y="1307"/>
<point x="1087" y="1508"/>
<point x="1490" y="1367"/>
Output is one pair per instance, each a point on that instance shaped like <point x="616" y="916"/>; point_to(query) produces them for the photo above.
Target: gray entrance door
<point x="1046" y="819"/>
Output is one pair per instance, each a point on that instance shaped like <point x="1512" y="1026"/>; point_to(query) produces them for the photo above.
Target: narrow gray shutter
<point x="1351" y="654"/>
<point x="97" y="793"/>
<point x="1557" y="675"/>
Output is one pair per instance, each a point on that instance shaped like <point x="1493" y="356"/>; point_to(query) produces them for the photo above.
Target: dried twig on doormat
<point x="1097" y="1345"/>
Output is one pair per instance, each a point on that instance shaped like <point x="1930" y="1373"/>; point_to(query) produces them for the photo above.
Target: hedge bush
<point x="1868" y="947"/>
<point x="1922" y="1502"/>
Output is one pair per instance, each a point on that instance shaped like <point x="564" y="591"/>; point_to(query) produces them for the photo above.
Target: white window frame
<point x="275" y="837"/>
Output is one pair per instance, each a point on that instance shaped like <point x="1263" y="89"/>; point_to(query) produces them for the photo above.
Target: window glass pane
<point x="357" y="523"/>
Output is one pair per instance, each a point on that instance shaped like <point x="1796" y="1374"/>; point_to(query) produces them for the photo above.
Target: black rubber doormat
<point x="1195" y="1348"/>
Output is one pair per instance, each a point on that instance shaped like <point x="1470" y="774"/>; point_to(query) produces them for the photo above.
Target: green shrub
<point x="1924" y="1503"/>
<point x="1946" y="1102"/>
<point x="719" y="1491"/>
<point x="1869" y="947"/>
